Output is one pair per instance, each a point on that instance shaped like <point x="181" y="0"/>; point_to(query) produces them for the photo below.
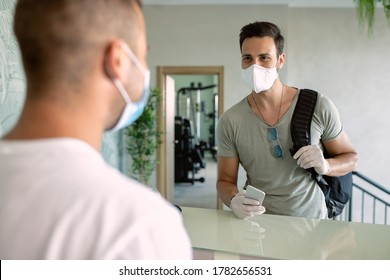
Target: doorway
<point x="192" y="101"/>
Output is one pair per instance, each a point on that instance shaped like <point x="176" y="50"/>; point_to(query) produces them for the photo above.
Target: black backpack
<point x="337" y="190"/>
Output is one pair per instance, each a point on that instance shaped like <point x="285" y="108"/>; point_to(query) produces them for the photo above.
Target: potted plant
<point x="366" y="12"/>
<point x="142" y="140"/>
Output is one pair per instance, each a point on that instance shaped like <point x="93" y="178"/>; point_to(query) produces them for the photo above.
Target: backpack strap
<point x="301" y="119"/>
<point x="300" y="128"/>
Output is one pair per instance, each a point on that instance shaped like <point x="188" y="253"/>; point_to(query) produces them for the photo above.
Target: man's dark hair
<point x="263" y="29"/>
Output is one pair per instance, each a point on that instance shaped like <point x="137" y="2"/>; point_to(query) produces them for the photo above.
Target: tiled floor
<point x="202" y="195"/>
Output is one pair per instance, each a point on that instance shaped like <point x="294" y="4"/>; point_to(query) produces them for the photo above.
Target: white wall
<point x="325" y="51"/>
<point x="329" y="52"/>
<point x="204" y="36"/>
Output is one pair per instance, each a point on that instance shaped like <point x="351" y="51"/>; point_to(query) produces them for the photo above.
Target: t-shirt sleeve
<point x="329" y="117"/>
<point x="225" y="137"/>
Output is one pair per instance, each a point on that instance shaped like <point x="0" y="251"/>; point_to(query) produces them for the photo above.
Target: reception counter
<point x="218" y="234"/>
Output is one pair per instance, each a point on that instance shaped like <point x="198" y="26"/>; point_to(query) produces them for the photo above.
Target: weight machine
<point x="189" y="148"/>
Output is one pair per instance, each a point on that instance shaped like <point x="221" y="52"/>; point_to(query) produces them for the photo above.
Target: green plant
<point x="143" y="138"/>
<point x="366" y="12"/>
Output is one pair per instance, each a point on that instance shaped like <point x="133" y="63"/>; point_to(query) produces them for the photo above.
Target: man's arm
<point x="243" y="207"/>
<point x="343" y="156"/>
<point x="227" y="179"/>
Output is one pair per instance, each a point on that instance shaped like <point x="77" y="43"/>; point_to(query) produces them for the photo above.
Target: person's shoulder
<point x="93" y="178"/>
<point x="325" y="110"/>
<point x="118" y="186"/>
<point x="236" y="110"/>
<point x="323" y="101"/>
<point x="239" y="105"/>
<point x="151" y="227"/>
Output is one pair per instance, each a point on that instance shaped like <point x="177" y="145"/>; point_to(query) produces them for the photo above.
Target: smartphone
<point x="255" y="193"/>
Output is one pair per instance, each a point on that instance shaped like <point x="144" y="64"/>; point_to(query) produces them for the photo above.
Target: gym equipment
<point x="189" y="148"/>
<point x="188" y="157"/>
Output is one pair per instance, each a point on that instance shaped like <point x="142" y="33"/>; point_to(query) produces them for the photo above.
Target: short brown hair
<point x="60" y="37"/>
<point x="262" y="29"/>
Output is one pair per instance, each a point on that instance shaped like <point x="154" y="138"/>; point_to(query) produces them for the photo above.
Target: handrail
<point x="370" y="181"/>
<point x="365" y="192"/>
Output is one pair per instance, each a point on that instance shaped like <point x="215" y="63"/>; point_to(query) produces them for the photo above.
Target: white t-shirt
<point x="60" y="200"/>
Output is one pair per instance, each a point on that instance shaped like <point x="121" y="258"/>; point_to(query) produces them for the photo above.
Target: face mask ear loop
<point x="139" y="65"/>
<point x="134" y="59"/>
<point x="121" y="90"/>
<point x="117" y="83"/>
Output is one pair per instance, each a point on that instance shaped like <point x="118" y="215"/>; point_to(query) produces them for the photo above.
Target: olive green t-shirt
<point x="289" y="189"/>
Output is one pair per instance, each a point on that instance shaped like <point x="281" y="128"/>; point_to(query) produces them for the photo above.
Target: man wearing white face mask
<point x="256" y="134"/>
<point x="85" y="63"/>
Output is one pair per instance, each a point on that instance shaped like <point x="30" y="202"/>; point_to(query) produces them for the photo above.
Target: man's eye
<point x="246" y="59"/>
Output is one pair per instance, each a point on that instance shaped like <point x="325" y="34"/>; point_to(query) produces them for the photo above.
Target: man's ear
<point x="281" y="60"/>
<point x="115" y="60"/>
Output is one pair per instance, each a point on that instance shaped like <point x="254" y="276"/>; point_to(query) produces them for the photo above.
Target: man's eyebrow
<point x="260" y="54"/>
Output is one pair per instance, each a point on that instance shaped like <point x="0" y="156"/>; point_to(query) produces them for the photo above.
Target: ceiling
<point x="291" y="3"/>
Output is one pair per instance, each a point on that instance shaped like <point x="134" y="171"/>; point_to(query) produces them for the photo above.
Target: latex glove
<point x="312" y="156"/>
<point x="244" y="207"/>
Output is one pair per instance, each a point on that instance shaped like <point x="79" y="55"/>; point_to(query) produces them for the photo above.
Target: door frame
<point x="163" y="166"/>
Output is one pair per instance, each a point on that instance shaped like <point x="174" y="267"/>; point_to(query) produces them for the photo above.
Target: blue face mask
<point x="132" y="110"/>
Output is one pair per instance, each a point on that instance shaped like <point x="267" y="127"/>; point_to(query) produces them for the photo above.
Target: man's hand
<point x="312" y="156"/>
<point x="244" y="207"/>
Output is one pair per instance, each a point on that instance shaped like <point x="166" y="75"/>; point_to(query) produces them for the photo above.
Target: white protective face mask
<point x="259" y="78"/>
<point x="132" y="110"/>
